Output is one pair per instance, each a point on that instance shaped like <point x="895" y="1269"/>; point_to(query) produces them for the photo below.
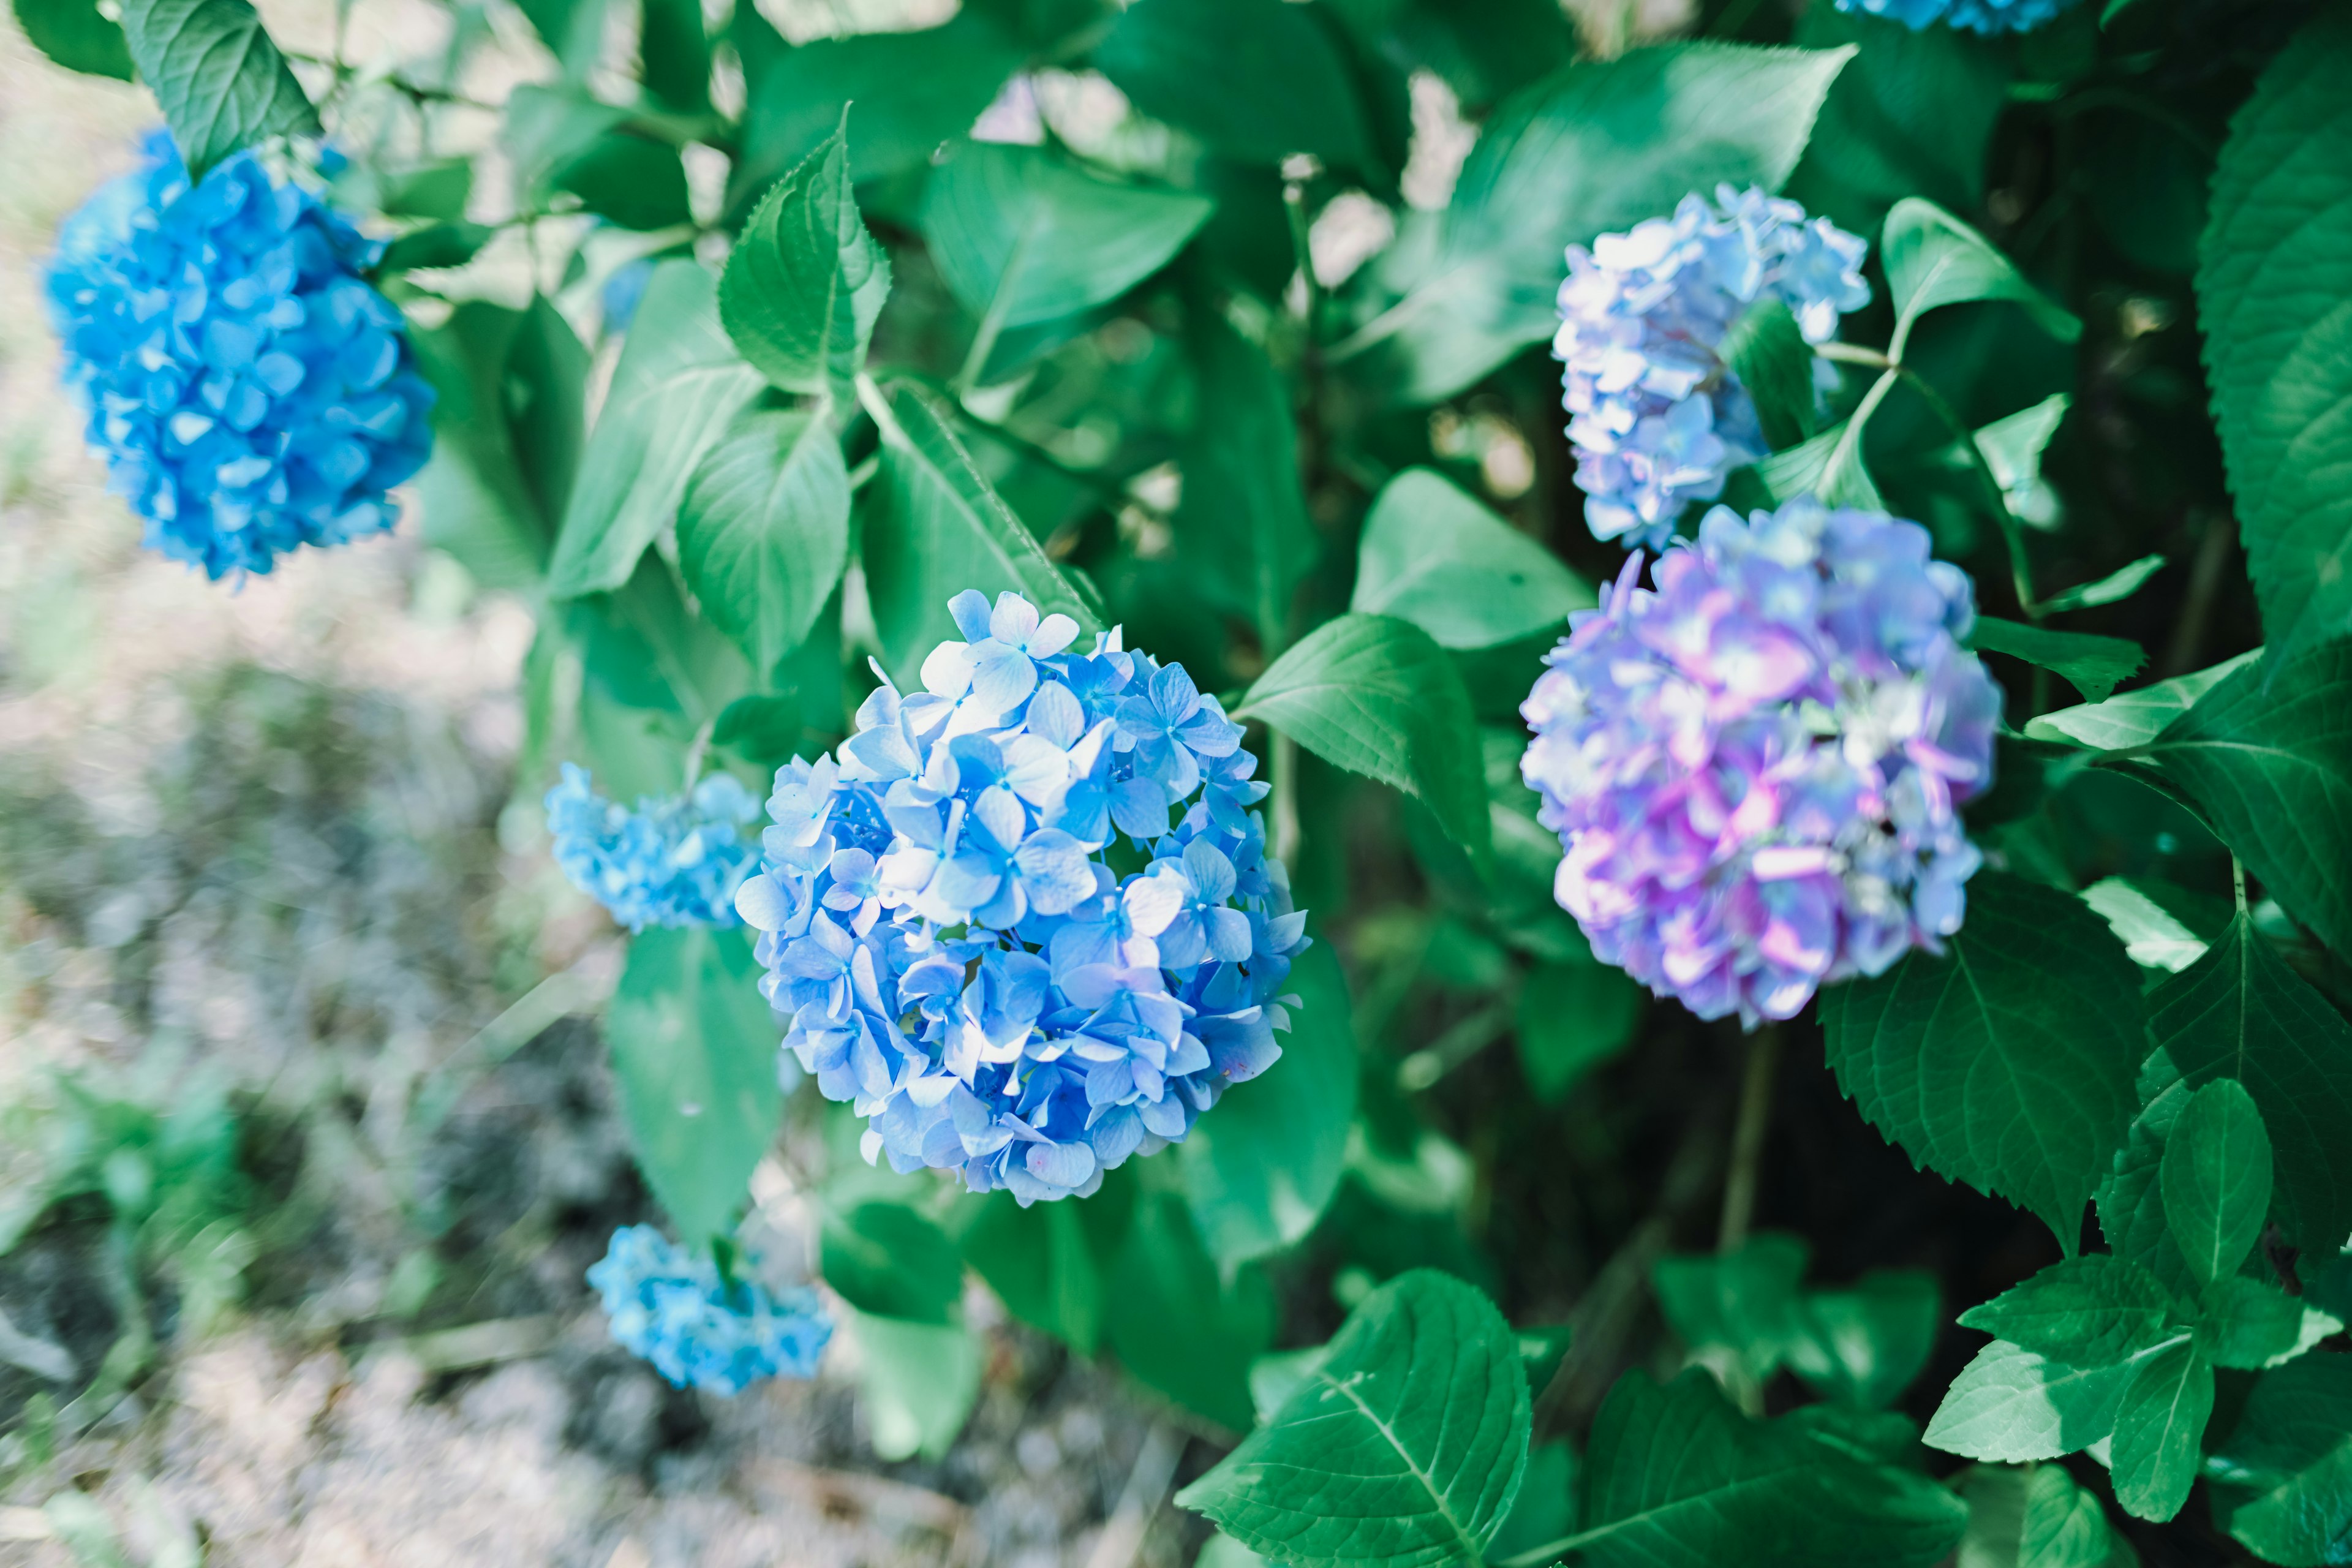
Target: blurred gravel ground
<point x="252" y="837"/>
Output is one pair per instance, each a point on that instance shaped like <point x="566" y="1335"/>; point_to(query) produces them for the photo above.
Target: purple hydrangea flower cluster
<point x="1753" y="767"/>
<point x="699" y="1329"/>
<point x="1975" y="15"/>
<point x="670" y="862"/>
<point x="1659" y="419"/>
<point x="988" y="933"/>
<point x="249" y="391"/>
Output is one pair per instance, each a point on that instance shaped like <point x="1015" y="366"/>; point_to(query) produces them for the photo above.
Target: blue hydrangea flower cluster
<point x="249" y="391"/>
<point x="1975" y="15"/>
<point x="670" y="862"/>
<point x="1659" y="419"/>
<point x="722" y="1335"/>
<point x="988" y="933"/>
<point x="1753" y="767"/>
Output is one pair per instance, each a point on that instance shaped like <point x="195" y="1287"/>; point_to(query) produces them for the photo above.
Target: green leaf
<point x="2216" y="1179"/>
<point x="764" y="530"/>
<point x="1241" y="529"/>
<point x="222" y="83"/>
<point x="914" y="91"/>
<point x="1571" y="1018"/>
<point x="1864" y="1346"/>
<point x="2152" y="934"/>
<point x="1433" y="555"/>
<point x="76" y="34"/>
<point x="1933" y="259"/>
<point x="1376" y="696"/>
<point x="675" y="54"/>
<point x="628" y="177"/>
<point x="1255" y="79"/>
<point x="1769" y="355"/>
<point x="2121" y="723"/>
<point x="1676" y="1478"/>
<point x="2159" y="1427"/>
<point x="1046" y="1262"/>
<point x="1913" y="116"/>
<point x="2282" y="1473"/>
<point x="1261" y="1172"/>
<point x="762" y="727"/>
<point x="1595" y="148"/>
<point x="2011" y="1403"/>
<point x="2035" y="1518"/>
<point x="889" y="1260"/>
<point x="805" y="281"/>
<point x="2268" y="754"/>
<point x="919" y="1383"/>
<point x="1023" y="236"/>
<point x="2012" y="449"/>
<point x="2243" y="1014"/>
<point x="2248" y="1324"/>
<point x="2274" y="300"/>
<point x="694" y="1050"/>
<point x="1828" y="466"/>
<point x="1175" y="1327"/>
<point x="1405" y="1447"/>
<point x="2094" y="665"/>
<point x="2114" y="588"/>
<point x="435" y="245"/>
<point x="2007" y="1062"/>
<point x="2089" y="1311"/>
<point x="1744" y="1300"/>
<point x="2131" y="1201"/>
<point x="934" y="528"/>
<point x="1545" y="1509"/>
<point x="679" y="382"/>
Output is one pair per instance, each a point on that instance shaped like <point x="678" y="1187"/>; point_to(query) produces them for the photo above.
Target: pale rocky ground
<point x="260" y="827"/>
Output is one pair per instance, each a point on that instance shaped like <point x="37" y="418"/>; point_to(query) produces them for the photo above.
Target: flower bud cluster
<point x="700" y="1329"/>
<point x="1974" y="15"/>
<point x="671" y="862"/>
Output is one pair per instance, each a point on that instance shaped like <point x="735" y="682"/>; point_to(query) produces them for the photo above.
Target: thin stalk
<point x="2020" y="569"/>
<point x="1739" y="1184"/>
<point x="1425" y="1068"/>
<point x="695" y="752"/>
<point x="992" y="325"/>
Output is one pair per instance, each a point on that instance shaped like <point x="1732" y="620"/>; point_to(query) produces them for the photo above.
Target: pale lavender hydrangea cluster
<point x="1753" y="767"/>
<point x="1023" y="919"/>
<point x="1659" y="419"/>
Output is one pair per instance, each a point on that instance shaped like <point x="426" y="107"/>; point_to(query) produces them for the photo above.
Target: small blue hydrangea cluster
<point x="701" y="1331"/>
<point x="1659" y="419"/>
<point x="1975" y="15"/>
<point x="670" y="862"/>
<point x="249" y="391"/>
<point x="987" y="933"/>
<point x="1754" y="768"/>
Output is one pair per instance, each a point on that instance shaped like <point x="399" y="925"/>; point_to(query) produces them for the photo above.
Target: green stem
<point x="2012" y="533"/>
<point x="1739" y="1184"/>
<point x="1457" y="1045"/>
<point x="2238" y="882"/>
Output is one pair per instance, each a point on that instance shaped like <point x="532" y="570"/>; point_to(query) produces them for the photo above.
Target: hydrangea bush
<point x="1844" y="723"/>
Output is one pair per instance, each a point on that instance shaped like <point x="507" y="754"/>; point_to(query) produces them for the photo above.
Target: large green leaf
<point x="2241" y="1013"/>
<point x="2011" y="1403"/>
<point x="919" y="1381"/>
<point x="1023" y="235"/>
<point x="679" y="382"/>
<point x="806" y="280"/>
<point x="889" y="1260"/>
<point x="2094" y="665"/>
<point x="1044" y="1262"/>
<point x="2159" y="1427"/>
<point x="764" y="530"/>
<point x="2007" y="1062"/>
<point x="1676" y="1478"/>
<point x="2274" y="300"/>
<point x="2138" y="717"/>
<point x="1241" y="530"/>
<point x="76" y="34"/>
<point x="222" y="83"/>
<point x="1403" y="1448"/>
<point x="2268" y="754"/>
<point x="1256" y="80"/>
<point x="934" y="528"/>
<point x="2282" y="1472"/>
<point x="694" y="1048"/>
<point x="1260" y="1172"/>
<point x="1434" y="557"/>
<point x="2035" y="1518"/>
<point x="2247" y="1324"/>
<point x="1599" y="146"/>
<point x="2089" y="1311"/>
<point x="1177" y="1328"/>
<point x="2216" y="1179"/>
<point x="1375" y="695"/>
<point x="1934" y="259"/>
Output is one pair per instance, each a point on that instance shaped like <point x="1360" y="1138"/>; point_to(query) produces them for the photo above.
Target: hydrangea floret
<point x="1754" y="766"/>
<point x="1974" y="15"/>
<point x="673" y="861"/>
<point x="1023" y="919"/>
<point x="249" y="391"/>
<point x="1658" y="419"/>
<point x="701" y="1329"/>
